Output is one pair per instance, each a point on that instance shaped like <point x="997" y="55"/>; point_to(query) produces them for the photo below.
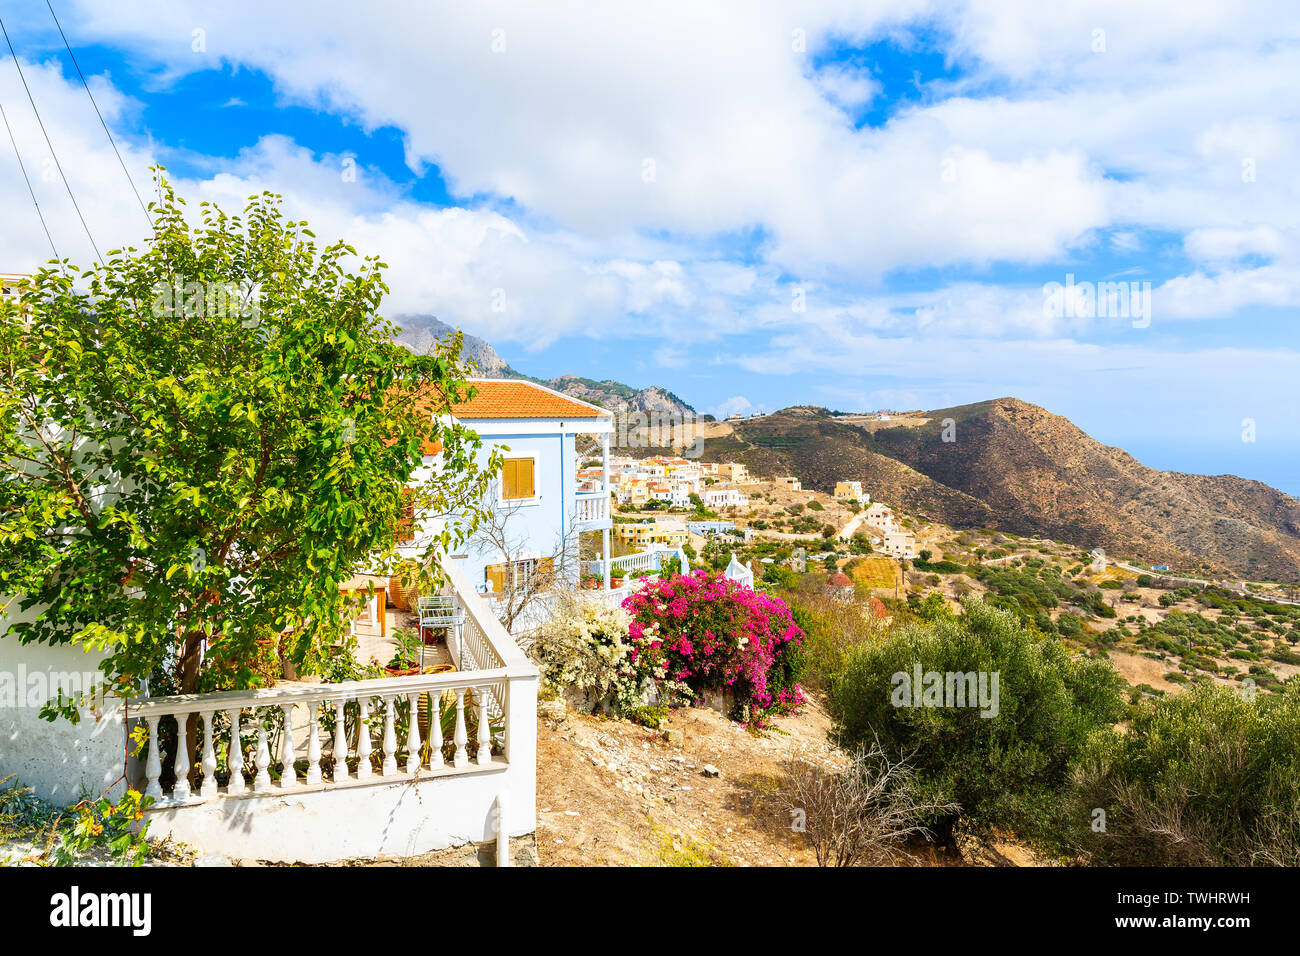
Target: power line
<point x="111" y="142"/>
<point x="30" y="191"/>
<point x="41" y="123"/>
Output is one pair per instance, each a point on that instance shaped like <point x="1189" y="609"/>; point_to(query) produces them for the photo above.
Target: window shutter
<point x="496" y="576"/>
<point x="517" y="478"/>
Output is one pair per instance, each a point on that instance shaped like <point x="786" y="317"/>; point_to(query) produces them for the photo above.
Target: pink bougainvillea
<point x="710" y="634"/>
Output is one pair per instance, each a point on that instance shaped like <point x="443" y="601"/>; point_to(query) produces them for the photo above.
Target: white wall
<point x="60" y="760"/>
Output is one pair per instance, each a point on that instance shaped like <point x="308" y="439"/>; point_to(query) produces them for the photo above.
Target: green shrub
<point x="1007" y="770"/>
<point x="1202" y="778"/>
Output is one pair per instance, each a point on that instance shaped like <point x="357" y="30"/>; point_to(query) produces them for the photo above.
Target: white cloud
<point x="736" y="405"/>
<point x="847" y="87"/>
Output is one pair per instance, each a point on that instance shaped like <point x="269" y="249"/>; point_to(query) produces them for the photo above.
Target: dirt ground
<point x="611" y="792"/>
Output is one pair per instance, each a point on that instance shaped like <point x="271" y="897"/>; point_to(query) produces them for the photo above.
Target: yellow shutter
<point x="517" y="478"/>
<point x="496" y="575"/>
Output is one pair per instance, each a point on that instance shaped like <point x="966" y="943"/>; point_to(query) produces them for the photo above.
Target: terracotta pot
<point x="401" y="596"/>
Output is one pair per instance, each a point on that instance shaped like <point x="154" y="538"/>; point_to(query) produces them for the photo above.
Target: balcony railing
<point x="591" y="509"/>
<point x="296" y="736"/>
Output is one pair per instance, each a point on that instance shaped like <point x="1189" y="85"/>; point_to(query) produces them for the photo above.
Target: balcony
<point x="321" y="772"/>
<point x="591" y="510"/>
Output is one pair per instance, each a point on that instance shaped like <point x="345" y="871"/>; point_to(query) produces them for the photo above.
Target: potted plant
<point x="406" y="657"/>
<point x="589" y="582"/>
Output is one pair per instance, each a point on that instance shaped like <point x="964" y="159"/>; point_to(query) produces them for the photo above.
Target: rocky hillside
<point x="1017" y="467"/>
<point x="613" y="394"/>
<point x="419" y="332"/>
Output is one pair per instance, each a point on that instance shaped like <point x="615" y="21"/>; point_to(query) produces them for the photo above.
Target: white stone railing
<point x="301" y="716"/>
<point x="362" y="736"/>
<point x="591" y="507"/>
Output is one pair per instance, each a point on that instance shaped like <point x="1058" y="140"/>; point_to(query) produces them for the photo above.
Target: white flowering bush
<point x="584" y="653"/>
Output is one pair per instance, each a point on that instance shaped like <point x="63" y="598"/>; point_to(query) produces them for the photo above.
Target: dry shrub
<point x="862" y="815"/>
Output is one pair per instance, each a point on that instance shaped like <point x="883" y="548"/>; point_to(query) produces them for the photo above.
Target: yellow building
<point x="848" y="489"/>
<point x="733" y="471"/>
<point x="788" y="483"/>
<point x="657" y="533"/>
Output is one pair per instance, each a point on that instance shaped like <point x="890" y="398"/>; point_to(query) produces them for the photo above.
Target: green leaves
<point x="231" y="392"/>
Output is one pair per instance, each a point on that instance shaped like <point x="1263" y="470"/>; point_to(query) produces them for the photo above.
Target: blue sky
<point x="852" y="204"/>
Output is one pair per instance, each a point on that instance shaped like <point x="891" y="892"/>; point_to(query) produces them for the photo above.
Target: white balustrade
<point x="254" y="730"/>
<point x="591" y="507"/>
<point x="359" y="734"/>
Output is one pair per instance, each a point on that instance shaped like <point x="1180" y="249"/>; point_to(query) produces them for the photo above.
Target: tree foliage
<point x="204" y="438"/>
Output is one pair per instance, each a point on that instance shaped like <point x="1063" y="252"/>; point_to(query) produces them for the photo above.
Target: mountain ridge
<point x="419" y="332"/>
<point x="1014" y="466"/>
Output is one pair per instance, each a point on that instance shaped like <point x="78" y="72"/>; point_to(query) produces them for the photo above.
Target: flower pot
<point x="401" y="595"/>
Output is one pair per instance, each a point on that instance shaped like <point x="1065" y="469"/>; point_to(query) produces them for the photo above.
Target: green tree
<point x="203" y="439"/>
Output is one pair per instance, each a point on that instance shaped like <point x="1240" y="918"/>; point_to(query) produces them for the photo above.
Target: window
<point x="517" y="479"/>
<point x="534" y="573"/>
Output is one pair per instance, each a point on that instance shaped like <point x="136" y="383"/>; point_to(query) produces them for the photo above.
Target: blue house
<point x="538" y="505"/>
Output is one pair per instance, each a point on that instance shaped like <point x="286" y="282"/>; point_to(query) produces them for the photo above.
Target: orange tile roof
<point x="508" y="398"/>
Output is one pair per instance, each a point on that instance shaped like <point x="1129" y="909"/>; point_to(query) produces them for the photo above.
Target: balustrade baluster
<point x="484" y="728"/>
<point x="460" y="758"/>
<point x="209" y="762"/>
<point x="413" y="735"/>
<point x="262" y="781"/>
<point x="340" y="743"/>
<point x="390" y="737"/>
<point x="153" y="763"/>
<point x="435" y="730"/>
<point x="364" y="769"/>
<point x="313" y="747"/>
<point x="235" y="756"/>
<point x="181" y="766"/>
<point x="288" y="776"/>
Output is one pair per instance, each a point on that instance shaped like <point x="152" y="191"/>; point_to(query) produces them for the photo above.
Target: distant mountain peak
<point x="419" y="332"/>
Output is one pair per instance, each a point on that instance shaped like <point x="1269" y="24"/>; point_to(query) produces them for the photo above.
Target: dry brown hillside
<point x="1017" y="467"/>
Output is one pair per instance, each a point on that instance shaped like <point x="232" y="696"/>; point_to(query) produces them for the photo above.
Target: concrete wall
<point x="60" y="760"/>
<point x="338" y="823"/>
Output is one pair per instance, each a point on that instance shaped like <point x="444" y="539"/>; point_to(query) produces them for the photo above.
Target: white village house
<point x="484" y="710"/>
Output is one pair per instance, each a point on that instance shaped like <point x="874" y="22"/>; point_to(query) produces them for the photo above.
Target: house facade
<point x="849" y="489"/>
<point x="900" y="544"/>
<point x="653" y="534"/>
<point x="539" y="501"/>
<point x="725" y="498"/>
